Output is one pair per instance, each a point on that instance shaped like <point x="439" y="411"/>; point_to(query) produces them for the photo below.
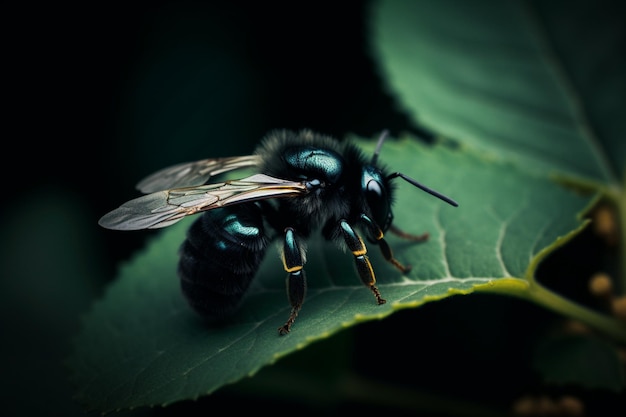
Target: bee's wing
<point x="190" y="174"/>
<point x="163" y="208"/>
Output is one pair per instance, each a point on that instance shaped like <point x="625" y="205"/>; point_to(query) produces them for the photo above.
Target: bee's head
<point x="378" y="188"/>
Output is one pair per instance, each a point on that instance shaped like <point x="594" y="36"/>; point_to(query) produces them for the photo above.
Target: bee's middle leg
<point x="293" y="262"/>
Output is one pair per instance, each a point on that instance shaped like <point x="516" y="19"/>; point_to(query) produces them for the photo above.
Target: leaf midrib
<point x="539" y="34"/>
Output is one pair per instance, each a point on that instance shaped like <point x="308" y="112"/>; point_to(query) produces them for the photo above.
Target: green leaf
<point x="540" y="83"/>
<point x="142" y="345"/>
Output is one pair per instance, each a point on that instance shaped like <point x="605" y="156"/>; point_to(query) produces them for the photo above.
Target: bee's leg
<point x="363" y="265"/>
<point x="293" y="262"/>
<point x="377" y="234"/>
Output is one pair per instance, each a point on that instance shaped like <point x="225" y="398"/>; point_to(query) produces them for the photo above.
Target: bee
<point x="306" y="182"/>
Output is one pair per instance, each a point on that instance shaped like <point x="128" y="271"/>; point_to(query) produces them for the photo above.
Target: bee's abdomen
<point x="220" y="257"/>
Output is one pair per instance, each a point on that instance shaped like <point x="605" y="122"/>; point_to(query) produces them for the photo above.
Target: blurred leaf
<point x="142" y="345"/>
<point x="541" y="83"/>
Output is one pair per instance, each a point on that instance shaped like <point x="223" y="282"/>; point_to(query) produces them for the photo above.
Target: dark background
<point x="100" y="95"/>
<point x="105" y="94"/>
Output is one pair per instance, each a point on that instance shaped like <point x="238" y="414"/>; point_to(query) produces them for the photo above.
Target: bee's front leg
<point x="363" y="264"/>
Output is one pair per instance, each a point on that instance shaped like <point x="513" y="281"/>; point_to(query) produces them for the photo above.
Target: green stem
<point x="536" y="293"/>
<point x="601" y="322"/>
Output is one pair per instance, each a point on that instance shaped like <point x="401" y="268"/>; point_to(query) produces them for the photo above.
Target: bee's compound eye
<point x="374" y="189"/>
<point x="378" y="202"/>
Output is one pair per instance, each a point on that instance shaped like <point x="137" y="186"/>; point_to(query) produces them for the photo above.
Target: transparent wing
<point x="190" y="174"/>
<point x="164" y="208"/>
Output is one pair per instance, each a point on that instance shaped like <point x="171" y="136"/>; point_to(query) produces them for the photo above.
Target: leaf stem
<point x="536" y="293"/>
<point x="608" y="325"/>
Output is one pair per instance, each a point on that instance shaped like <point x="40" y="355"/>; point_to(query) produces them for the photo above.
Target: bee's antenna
<point x="424" y="188"/>
<point x="382" y="138"/>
